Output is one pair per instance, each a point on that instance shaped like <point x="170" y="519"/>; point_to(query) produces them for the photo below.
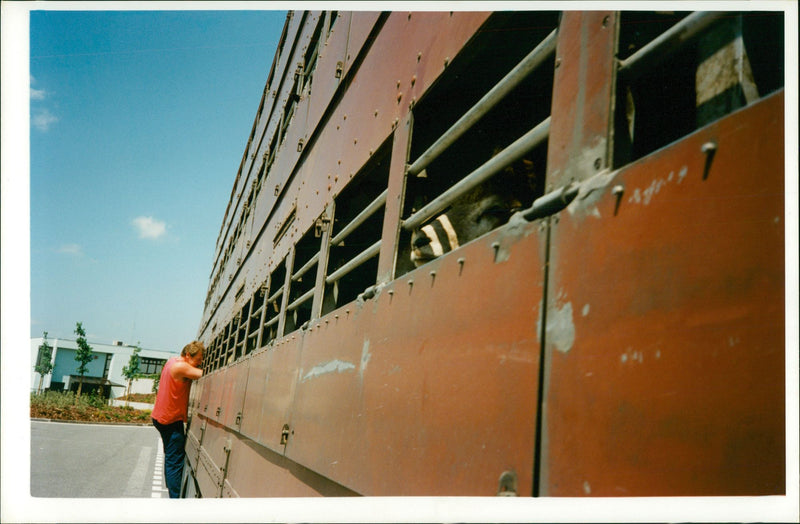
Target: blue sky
<point x="138" y="122"/>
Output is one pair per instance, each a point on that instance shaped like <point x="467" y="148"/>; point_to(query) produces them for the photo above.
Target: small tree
<point x="83" y="355"/>
<point x="43" y="362"/>
<point x="132" y="369"/>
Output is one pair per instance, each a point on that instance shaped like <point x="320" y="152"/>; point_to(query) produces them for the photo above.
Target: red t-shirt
<point x="172" y="400"/>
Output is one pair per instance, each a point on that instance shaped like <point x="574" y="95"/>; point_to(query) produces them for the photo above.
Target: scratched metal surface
<point x="582" y="97"/>
<point x="430" y="388"/>
<point x="665" y="340"/>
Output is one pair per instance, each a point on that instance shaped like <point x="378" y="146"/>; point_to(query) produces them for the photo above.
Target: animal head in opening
<point x="480" y="210"/>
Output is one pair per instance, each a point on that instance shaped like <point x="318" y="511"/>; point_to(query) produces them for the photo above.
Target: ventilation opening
<point x="356" y="232"/>
<point x="269" y="329"/>
<point x="497" y="164"/>
<point x="241" y="331"/>
<point x="254" y="321"/>
<point x="208" y="357"/>
<point x="673" y="86"/>
<point x="301" y="287"/>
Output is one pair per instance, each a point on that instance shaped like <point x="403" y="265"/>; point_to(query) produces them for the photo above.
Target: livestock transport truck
<point x="503" y="253"/>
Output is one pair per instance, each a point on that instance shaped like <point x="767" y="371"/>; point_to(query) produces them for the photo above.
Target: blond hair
<point x="192" y="348"/>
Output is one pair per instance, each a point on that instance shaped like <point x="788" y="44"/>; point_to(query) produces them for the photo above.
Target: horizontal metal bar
<point x="308" y="295"/>
<point x="515" y="77"/>
<point x="506" y="157"/>
<point x="361" y="218"/>
<point x="668" y="42"/>
<point x="308" y="265"/>
<point x="359" y="259"/>
<point x="277" y="295"/>
<point x="257" y="312"/>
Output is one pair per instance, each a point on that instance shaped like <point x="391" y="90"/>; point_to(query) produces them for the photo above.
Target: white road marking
<point x="137" y="478"/>
<point x="159" y="488"/>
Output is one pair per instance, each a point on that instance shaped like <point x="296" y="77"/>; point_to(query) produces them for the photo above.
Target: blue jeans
<point x="173" y="438"/>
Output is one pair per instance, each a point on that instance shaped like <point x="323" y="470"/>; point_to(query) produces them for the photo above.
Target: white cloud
<point x="38" y="94"/>
<point x="42" y="119"/>
<point x="149" y="227"/>
<point x="70" y="249"/>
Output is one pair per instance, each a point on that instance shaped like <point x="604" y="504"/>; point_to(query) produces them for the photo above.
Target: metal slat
<point x="668" y="42"/>
<point x="359" y="259"/>
<point x="520" y="72"/>
<point x="308" y="265"/>
<point x="303" y="298"/>
<point x="361" y="218"/>
<point x="275" y="296"/>
<point x="506" y="157"/>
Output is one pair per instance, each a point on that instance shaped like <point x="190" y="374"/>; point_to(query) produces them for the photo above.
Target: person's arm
<point x="181" y="369"/>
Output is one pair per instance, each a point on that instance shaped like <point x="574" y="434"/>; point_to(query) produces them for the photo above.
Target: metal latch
<point x="319" y="225"/>
<point x="551" y="203"/>
<point x="285" y="434"/>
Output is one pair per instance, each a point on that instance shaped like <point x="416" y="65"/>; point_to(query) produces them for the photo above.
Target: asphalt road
<point x="96" y="461"/>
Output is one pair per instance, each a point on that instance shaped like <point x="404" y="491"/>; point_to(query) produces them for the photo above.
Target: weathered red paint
<point x="657" y="317"/>
<point x="671" y="382"/>
<point x="583" y="89"/>
<point x="389" y="386"/>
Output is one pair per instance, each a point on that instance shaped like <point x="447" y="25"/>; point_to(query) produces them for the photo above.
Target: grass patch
<point x="147" y="398"/>
<point x="56" y="405"/>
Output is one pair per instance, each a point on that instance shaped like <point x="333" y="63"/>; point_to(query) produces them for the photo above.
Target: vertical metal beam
<point x="580" y="145"/>
<point x="322" y="263"/>
<point x="390" y="237"/>
<point x="265" y="290"/>
<point x="285" y="298"/>
<point x="584" y="84"/>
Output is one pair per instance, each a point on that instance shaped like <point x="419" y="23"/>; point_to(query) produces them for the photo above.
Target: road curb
<point x="92" y="422"/>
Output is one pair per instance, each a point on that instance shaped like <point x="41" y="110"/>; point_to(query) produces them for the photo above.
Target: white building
<point x="105" y="370"/>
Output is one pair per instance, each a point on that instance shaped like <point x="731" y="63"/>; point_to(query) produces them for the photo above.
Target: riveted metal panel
<point x="255" y="471"/>
<point x="278" y="392"/>
<point x="216" y="385"/>
<point x="228" y="491"/>
<point x="208" y="475"/>
<point x="205" y="394"/>
<point x="393" y="387"/>
<point x="665" y="322"/>
<point x="233" y="394"/>
<point x="254" y="398"/>
<point x="192" y="449"/>
<point x="361" y="24"/>
<point x="330" y="67"/>
<point x="379" y="95"/>
<point x="583" y="89"/>
<point x="215" y="439"/>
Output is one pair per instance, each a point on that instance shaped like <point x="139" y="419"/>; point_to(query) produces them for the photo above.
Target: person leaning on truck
<point x="171" y="409"/>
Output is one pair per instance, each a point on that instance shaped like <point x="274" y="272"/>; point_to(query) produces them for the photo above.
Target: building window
<point x="107" y="366"/>
<point x="151" y="366"/>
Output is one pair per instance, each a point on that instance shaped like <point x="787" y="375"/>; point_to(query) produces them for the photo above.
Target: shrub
<point x="57" y="405"/>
